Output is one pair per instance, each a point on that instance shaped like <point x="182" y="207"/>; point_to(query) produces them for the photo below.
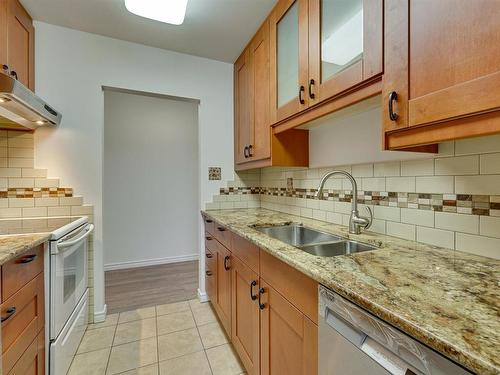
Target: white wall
<point x="361" y="126"/>
<point x="150" y="180"/>
<point x="72" y="66"/>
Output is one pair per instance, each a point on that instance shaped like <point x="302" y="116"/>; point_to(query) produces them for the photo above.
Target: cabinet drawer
<point x="223" y="235"/>
<point x="209" y="225"/>
<point x="19" y="271"/>
<point x="210" y="242"/>
<point x="297" y="288"/>
<point x="246" y="251"/>
<point x="24" y="323"/>
<point x="32" y="362"/>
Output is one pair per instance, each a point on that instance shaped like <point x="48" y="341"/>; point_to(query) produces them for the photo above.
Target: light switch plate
<point x="214" y="173"/>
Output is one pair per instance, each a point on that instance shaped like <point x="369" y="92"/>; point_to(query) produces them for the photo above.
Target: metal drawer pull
<point x="226" y="267"/>
<point x="311" y="84"/>
<point x="252" y="284"/>
<point x="27" y="259"/>
<point x="221" y="229"/>
<point x="208" y="273"/>
<point x="250" y="151"/>
<point x="208" y="238"/>
<point x="209" y="221"/>
<point x="10" y="311"/>
<point x="262" y="306"/>
<point x="393" y="96"/>
<point x="209" y="255"/>
<point x="301" y="97"/>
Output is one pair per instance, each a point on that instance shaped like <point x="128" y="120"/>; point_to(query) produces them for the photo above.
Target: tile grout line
<point x="203" y="346"/>
<point x="111" y="348"/>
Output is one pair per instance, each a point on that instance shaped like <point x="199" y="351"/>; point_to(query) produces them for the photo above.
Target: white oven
<point x="68" y="292"/>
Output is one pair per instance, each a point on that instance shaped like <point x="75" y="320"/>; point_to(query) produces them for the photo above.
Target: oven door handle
<point x="88" y="230"/>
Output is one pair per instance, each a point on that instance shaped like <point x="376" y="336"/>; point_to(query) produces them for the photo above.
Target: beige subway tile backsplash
<point x="479" y="245"/>
<point x="417" y="217"/>
<point x="489" y="226"/>
<point x="417" y="167"/>
<point x="406" y="184"/>
<point x="387" y="169"/>
<point x="462" y="165"/>
<point x="387" y="213"/>
<point x="435" y="184"/>
<point x="21" y="162"/>
<point x="436" y="237"/>
<point x="484" y="184"/>
<point x="490" y="163"/>
<point x="400" y="230"/>
<point x="457" y="222"/>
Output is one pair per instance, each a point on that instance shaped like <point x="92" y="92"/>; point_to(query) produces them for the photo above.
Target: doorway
<point x="150" y="199"/>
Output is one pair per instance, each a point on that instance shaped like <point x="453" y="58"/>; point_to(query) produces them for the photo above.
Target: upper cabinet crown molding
<point x="17" y="42"/>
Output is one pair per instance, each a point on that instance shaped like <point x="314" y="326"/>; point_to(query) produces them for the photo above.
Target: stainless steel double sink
<point x="312" y="241"/>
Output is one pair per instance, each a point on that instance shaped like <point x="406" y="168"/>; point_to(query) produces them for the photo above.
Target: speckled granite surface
<point x="446" y="299"/>
<point x="12" y="245"/>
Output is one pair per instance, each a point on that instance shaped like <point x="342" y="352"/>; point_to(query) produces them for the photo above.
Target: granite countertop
<point x="20" y="235"/>
<point x="446" y="299"/>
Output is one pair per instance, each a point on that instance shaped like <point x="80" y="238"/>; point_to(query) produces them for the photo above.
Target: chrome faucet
<point x="356" y="222"/>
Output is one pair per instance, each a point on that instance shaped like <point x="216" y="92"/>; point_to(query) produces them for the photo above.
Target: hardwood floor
<point x="149" y="286"/>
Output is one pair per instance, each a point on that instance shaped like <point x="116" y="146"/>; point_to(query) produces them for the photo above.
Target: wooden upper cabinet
<point x="260" y="129"/>
<point x="17" y="40"/>
<point x="345" y="45"/>
<point x="442" y="68"/>
<point x="289" y="58"/>
<point x="242" y="107"/>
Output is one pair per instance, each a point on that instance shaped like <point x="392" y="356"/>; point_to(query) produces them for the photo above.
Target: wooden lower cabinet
<point x="289" y="340"/>
<point x="223" y="287"/>
<point x="32" y="362"/>
<point x="245" y="332"/>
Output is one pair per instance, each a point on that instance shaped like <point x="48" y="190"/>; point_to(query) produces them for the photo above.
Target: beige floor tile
<point x="92" y="363"/>
<point x="132" y="356"/>
<point x="223" y="360"/>
<point x="175" y="322"/>
<point x="172" y="308"/>
<point x="212" y="334"/>
<point x="194" y="303"/>
<point x="180" y="343"/>
<point x="136" y="330"/>
<point x="147" y="370"/>
<point x="111" y="320"/>
<point x="203" y="314"/>
<point x="144" y="313"/>
<point x="96" y="339"/>
<point x="191" y="364"/>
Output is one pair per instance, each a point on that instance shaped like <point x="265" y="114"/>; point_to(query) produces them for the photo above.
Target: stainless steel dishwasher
<point x="354" y="342"/>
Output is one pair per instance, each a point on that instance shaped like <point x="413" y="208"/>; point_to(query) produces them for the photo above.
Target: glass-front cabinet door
<point x="288" y="58"/>
<point x="345" y="45"/>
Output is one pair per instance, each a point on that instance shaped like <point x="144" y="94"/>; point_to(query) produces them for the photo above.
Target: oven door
<point x="68" y="276"/>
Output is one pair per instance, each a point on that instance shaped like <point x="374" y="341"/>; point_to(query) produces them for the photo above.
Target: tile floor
<point x="182" y="338"/>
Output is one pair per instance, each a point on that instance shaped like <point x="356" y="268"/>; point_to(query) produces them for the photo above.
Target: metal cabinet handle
<point x="221" y="229"/>
<point x="5" y="67"/>
<point x="262" y="306"/>
<point x="245" y="152"/>
<point x="208" y="238"/>
<point x="311" y="84"/>
<point x="252" y="284"/>
<point x="226" y="267"/>
<point x="301" y="97"/>
<point x="393" y="96"/>
<point x="250" y="147"/>
<point x="10" y="312"/>
<point x="208" y="273"/>
<point x="208" y="255"/>
<point x="208" y="221"/>
<point x="14" y="74"/>
<point x="27" y="259"/>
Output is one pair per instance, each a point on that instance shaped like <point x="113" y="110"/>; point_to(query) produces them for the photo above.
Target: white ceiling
<point x="216" y="29"/>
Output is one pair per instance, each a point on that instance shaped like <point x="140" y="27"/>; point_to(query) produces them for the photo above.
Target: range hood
<point x="20" y="108"/>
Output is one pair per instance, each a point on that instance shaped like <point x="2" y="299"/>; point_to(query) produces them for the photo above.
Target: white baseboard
<point x="149" y="262"/>
<point x="100" y="316"/>
<point x="202" y="296"/>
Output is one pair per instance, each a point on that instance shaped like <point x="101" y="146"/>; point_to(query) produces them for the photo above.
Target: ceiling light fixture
<point x="168" y="11"/>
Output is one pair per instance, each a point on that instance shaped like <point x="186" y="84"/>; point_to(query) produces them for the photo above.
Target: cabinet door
<point x="32" y="362"/>
<point x="289" y="340"/>
<point x="345" y="45"/>
<point x="245" y="316"/>
<point x="242" y="107"/>
<point x="223" y="286"/>
<point x="442" y="59"/>
<point x="20" y="43"/>
<point x="289" y="58"/>
<point x="260" y="129"/>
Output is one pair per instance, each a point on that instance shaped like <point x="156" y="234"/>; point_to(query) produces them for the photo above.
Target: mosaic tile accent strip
<point x="483" y="205"/>
<point x="36" y="192"/>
